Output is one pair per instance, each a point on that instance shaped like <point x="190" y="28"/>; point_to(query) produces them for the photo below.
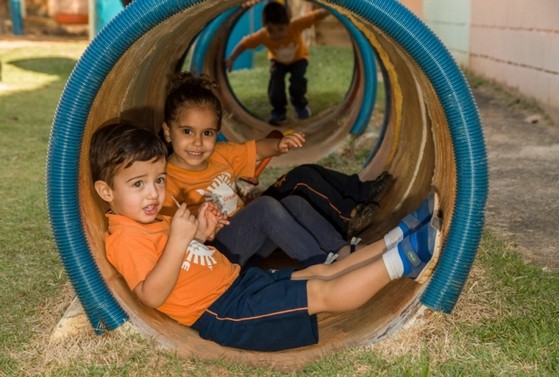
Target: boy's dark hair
<point x="118" y="145"/>
<point x="187" y="89"/>
<point x="275" y="13"/>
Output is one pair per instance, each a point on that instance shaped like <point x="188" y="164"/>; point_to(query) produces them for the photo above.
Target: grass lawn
<point x="505" y="323"/>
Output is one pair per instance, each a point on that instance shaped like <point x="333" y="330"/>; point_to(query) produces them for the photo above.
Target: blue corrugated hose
<point x="17" y="19"/>
<point x="136" y="20"/>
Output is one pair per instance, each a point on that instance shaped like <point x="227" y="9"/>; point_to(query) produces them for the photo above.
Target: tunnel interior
<point x="125" y="79"/>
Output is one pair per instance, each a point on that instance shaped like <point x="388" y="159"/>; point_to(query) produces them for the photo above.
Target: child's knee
<point x="269" y="206"/>
<point x="296" y="204"/>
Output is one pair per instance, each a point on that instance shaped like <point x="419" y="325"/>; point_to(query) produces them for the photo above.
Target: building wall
<point x="450" y="20"/>
<point x="514" y="42"/>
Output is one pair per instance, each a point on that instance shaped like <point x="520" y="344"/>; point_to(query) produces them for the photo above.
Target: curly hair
<point x="188" y="90"/>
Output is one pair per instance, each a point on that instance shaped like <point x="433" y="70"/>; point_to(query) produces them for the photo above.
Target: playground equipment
<point x="432" y="137"/>
<point x="16" y="16"/>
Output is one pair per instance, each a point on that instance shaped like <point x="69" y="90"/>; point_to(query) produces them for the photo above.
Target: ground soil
<point x="523" y="155"/>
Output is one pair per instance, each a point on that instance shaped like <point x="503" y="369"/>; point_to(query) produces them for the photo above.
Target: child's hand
<point x="292" y="140"/>
<point x="229" y="64"/>
<point x="211" y="221"/>
<point x="184" y="225"/>
<point x="221" y="219"/>
<point x="207" y="223"/>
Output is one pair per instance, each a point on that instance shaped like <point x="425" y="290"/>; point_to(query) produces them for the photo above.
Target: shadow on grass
<point x="50" y="66"/>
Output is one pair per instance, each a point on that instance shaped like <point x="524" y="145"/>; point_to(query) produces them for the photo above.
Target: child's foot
<point x="380" y="186"/>
<point x="364" y="216"/>
<point x="303" y="113"/>
<point x="413" y="221"/>
<point x="277" y="118"/>
<point x="420" y="216"/>
<point x="419" y="251"/>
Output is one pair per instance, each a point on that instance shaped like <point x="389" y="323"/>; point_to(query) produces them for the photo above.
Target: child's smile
<point x="193" y="137"/>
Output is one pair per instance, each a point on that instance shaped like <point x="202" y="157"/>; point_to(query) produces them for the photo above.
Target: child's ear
<point x="104" y="190"/>
<point x="166" y="132"/>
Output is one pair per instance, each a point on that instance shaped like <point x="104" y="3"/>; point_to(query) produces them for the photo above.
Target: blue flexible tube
<point x="17" y="19"/>
<point x="369" y="75"/>
<point x="203" y="43"/>
<point x="136" y="20"/>
<point x="206" y="37"/>
<point x="468" y="143"/>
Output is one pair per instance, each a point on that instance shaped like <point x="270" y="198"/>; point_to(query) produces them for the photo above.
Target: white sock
<point x="393" y="263"/>
<point x="393" y="238"/>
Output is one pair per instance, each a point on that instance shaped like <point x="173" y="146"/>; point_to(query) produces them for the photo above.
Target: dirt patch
<point x="523" y="154"/>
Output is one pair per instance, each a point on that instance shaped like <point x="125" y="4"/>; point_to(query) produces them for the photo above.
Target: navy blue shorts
<point x="261" y="311"/>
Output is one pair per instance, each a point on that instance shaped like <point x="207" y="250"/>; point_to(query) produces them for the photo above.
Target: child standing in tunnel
<point x="287" y="53"/>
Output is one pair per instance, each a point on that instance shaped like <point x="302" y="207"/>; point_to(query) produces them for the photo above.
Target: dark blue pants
<point x="261" y="311"/>
<point x="297" y="85"/>
<point x="290" y="224"/>
<point x="330" y="193"/>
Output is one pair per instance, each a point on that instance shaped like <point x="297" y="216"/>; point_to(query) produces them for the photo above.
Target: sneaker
<point x="303" y="113"/>
<point x="277" y="118"/>
<point x="364" y="216"/>
<point x="421" y="251"/>
<point x="380" y="186"/>
<point x="420" y="216"/>
<point x="413" y="221"/>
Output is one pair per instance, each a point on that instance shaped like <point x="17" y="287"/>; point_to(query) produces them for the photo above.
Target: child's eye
<point x="160" y="181"/>
<point x="186" y="131"/>
<point x="138" y="184"/>
<point x="209" y="133"/>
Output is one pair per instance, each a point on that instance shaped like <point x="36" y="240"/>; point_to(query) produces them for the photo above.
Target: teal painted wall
<point x="450" y="20"/>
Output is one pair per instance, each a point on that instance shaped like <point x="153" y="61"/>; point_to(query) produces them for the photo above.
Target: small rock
<point x="533" y="118"/>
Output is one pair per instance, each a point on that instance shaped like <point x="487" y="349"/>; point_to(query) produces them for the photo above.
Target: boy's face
<point x="193" y="137"/>
<point x="138" y="191"/>
<point x="276" y="31"/>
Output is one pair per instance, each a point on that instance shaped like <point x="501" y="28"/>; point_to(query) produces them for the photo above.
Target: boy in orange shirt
<point x="287" y="53"/>
<point x="166" y="264"/>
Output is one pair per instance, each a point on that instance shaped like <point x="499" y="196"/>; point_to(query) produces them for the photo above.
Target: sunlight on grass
<point x="26" y="69"/>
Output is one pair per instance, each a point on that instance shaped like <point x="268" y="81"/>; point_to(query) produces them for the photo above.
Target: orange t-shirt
<point x="134" y="249"/>
<point x="286" y="50"/>
<point x="216" y="183"/>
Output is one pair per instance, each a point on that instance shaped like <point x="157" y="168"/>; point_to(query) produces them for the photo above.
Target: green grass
<point x="505" y="323"/>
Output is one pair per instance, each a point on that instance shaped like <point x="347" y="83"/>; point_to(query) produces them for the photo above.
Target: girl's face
<point x="193" y="137"/>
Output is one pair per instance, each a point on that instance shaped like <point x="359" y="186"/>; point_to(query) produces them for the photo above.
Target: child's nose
<point x="197" y="140"/>
<point x="153" y="192"/>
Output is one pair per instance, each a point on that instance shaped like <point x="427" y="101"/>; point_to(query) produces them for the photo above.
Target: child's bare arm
<point x="322" y="14"/>
<point x="154" y="290"/>
<point x="269" y="147"/>
<point x="237" y="50"/>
